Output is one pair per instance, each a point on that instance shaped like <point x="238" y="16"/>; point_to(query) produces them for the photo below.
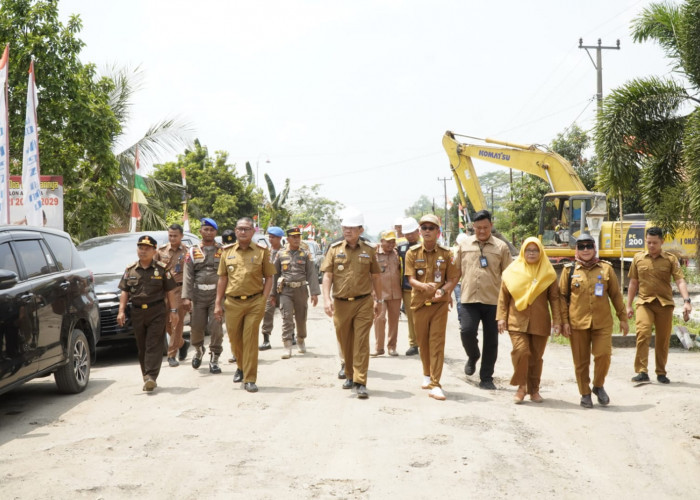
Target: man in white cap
<point x="410" y="232"/>
<point x="350" y="267"/>
<point x="391" y="295"/>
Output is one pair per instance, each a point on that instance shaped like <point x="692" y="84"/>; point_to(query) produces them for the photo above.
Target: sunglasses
<point x="428" y="228"/>
<point x="587" y="246"/>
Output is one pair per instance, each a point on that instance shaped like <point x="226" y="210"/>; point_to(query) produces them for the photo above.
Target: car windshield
<point x="111" y="254"/>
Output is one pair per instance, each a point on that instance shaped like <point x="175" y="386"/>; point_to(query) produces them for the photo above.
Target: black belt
<point x="245" y="297"/>
<point x="149" y="304"/>
<point x="350" y="299"/>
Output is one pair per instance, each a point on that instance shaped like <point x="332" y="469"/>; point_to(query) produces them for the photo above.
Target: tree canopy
<point x="76" y="124"/>
<point x="648" y="135"/>
<point x="214" y="186"/>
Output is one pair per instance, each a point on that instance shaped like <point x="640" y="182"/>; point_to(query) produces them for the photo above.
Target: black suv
<point x="49" y="318"/>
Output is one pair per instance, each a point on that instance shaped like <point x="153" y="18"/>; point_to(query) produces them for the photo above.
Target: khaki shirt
<point x="583" y="309"/>
<point x="352" y="268"/>
<point x="654" y="276"/>
<point x="482" y="284"/>
<point x="146" y="285"/>
<point x="430" y="266"/>
<point x="201" y="267"/>
<point x="173" y="258"/>
<point x="391" y="274"/>
<point x="296" y="266"/>
<point x="245" y="269"/>
<point x="535" y="318"/>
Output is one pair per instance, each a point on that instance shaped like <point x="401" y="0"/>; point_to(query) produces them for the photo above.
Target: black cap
<point x="228" y="236"/>
<point x="147" y="240"/>
<point x="293" y="231"/>
<point x="585" y="237"/>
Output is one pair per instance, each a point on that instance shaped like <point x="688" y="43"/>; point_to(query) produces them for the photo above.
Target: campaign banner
<point x="30" y="159"/>
<point x="4" y="140"/>
<point x="51" y="187"/>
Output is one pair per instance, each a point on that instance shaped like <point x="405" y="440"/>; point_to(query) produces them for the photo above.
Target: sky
<point x="356" y="95"/>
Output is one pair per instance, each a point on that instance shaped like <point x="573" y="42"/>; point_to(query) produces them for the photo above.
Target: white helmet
<point x="409" y="225"/>
<point x="352" y="218"/>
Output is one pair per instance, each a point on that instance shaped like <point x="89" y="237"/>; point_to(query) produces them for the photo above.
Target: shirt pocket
<point x="421" y="269"/>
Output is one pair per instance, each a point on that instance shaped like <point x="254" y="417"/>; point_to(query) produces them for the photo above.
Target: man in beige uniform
<point x="650" y="274"/>
<point x="411" y="237"/>
<point x="482" y="259"/>
<point x="295" y="276"/>
<point x="351" y="268"/>
<point x="392" y="294"/>
<point x="432" y="272"/>
<point x="173" y="255"/>
<point x="245" y="279"/>
<point x="275" y="235"/>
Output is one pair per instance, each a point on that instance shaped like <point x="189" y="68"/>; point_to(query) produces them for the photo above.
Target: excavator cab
<point x="563" y="219"/>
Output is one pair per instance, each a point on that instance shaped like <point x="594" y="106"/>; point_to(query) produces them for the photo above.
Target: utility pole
<point x="598" y="65"/>
<point x="447" y="214"/>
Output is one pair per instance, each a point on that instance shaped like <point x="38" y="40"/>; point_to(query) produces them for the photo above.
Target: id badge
<point x="483" y="262"/>
<point x="598" y="290"/>
<point x="178" y="268"/>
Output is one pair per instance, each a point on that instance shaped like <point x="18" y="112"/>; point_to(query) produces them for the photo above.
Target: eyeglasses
<point x="532" y="250"/>
<point x="428" y="228"/>
<point x="587" y="246"/>
<point x="244" y="229"/>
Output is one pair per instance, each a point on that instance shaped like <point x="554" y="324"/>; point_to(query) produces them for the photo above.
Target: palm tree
<point x="166" y="136"/>
<point x="648" y="134"/>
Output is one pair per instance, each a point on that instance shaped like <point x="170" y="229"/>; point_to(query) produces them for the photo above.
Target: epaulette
<point x="337" y="243"/>
<point x="605" y="262"/>
<point x="303" y="245"/>
<point x="415" y="247"/>
<point x="369" y="244"/>
<point x="262" y="245"/>
<point x="160" y="264"/>
<point x="569" y="264"/>
<point x="228" y="246"/>
<point x="445" y="248"/>
<point x="163" y="246"/>
<point x="133" y="265"/>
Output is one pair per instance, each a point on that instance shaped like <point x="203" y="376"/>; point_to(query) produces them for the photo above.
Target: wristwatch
<point x="687" y="300"/>
<point x="379" y="301"/>
<point x="173" y="310"/>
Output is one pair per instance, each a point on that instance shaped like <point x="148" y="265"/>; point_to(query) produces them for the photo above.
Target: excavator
<point x="569" y="210"/>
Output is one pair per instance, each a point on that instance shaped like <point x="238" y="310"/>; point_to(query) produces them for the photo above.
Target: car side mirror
<point x="8" y="279"/>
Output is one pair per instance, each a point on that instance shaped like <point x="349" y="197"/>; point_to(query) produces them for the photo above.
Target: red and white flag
<point x="31" y="186"/>
<point x="4" y="140"/>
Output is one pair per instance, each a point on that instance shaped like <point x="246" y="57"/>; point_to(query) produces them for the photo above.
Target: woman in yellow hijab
<point x="529" y="290"/>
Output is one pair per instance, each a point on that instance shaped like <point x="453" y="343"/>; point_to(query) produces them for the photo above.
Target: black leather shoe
<point x="488" y="385"/>
<point x="641" y="377"/>
<point x="348" y="384"/>
<point x="663" y="379"/>
<point x="238" y="376"/>
<point x="362" y="392"/>
<point x="264" y="346"/>
<point x="586" y="401"/>
<point x="470" y="367"/>
<point x="412" y="351"/>
<point x="341" y="373"/>
<point x="183" y="350"/>
<point x="251" y="387"/>
<point x="603" y="398"/>
<point x="214" y="364"/>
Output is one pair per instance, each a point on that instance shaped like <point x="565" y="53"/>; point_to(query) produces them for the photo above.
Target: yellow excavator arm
<point x="550" y="166"/>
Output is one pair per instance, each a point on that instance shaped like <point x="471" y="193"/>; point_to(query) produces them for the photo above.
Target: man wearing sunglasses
<point x="431" y="271"/>
<point x="650" y="275"/>
<point x="482" y="259"/>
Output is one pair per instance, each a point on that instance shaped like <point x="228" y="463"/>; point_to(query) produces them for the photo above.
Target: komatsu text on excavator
<point x="567" y="211"/>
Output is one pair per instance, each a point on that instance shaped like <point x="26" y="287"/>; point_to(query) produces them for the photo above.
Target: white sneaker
<point x="301" y="346"/>
<point x="436" y="393"/>
<point x="286" y="353"/>
<point x="426" y="382"/>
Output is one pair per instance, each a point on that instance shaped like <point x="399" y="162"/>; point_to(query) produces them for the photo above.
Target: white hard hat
<point x="352" y="218"/>
<point x="409" y="225"/>
<point x="460" y="238"/>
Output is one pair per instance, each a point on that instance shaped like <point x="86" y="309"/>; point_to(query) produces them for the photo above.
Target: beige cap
<point x="433" y="219"/>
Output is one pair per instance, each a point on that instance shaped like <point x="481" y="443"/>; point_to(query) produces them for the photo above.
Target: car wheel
<point x="73" y="376"/>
